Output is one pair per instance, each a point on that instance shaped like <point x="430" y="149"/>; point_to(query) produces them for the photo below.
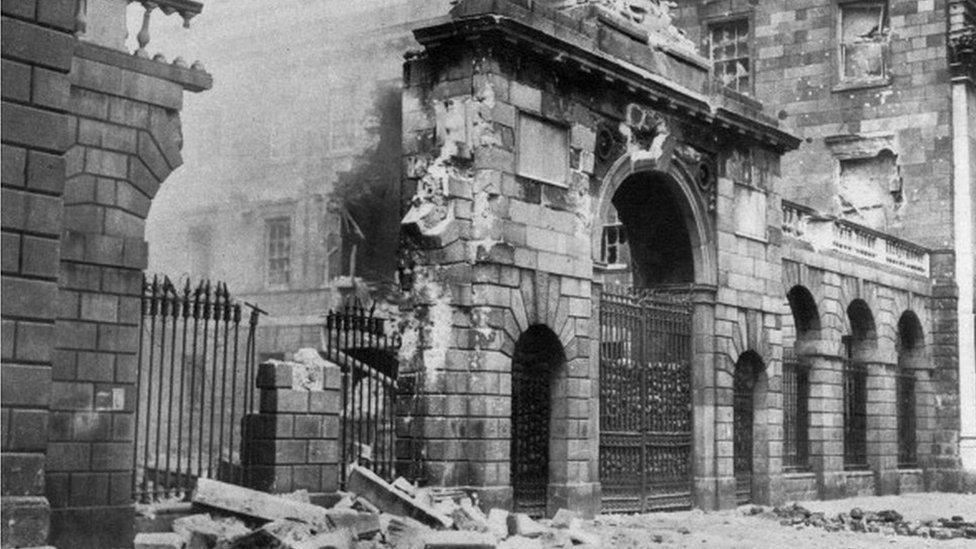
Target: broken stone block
<point x="454" y="539"/>
<point x="338" y="539"/>
<point x="563" y="517"/>
<point x="298" y="495"/>
<point x="203" y="532"/>
<point x="468" y="517"/>
<point x="385" y="497"/>
<point x="498" y="523"/>
<point x="579" y="536"/>
<point x="403" y="532"/>
<point x="361" y="525"/>
<point x="404" y="486"/>
<point x="520" y="542"/>
<point x="159" y="540"/>
<point x="280" y="534"/>
<point x="252" y="503"/>
<point x="520" y="524"/>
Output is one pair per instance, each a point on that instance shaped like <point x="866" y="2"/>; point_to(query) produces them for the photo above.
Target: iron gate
<point x="645" y="400"/>
<point x="365" y="346"/>
<point x="193" y="387"/>
<point x="743" y="383"/>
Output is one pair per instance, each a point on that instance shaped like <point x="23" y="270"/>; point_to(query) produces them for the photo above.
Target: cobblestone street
<point x="736" y="529"/>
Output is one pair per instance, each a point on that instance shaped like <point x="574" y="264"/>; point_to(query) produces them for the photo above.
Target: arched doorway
<point x="538" y="356"/>
<point x="745" y="378"/>
<point x="651" y="256"/>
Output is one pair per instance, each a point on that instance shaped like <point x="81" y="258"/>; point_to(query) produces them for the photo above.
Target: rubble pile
<point x="372" y="514"/>
<point x="888" y="522"/>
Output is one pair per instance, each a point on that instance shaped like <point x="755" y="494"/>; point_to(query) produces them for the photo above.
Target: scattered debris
<point x="372" y="514"/>
<point x="889" y="522"/>
<point x="388" y="499"/>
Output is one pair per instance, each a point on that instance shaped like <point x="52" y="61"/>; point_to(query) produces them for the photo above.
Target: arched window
<point x="796" y="379"/>
<point x="910" y="345"/>
<point x="858" y="344"/>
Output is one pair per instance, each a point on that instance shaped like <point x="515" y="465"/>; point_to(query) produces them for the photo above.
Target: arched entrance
<point x="745" y="379"/>
<point x="650" y="246"/>
<point x="538" y="356"/>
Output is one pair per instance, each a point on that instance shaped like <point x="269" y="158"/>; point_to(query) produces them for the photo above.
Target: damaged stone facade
<point x="495" y="249"/>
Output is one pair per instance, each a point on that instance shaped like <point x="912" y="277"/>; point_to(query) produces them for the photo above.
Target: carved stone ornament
<point x="645" y="133"/>
<point x="700" y="166"/>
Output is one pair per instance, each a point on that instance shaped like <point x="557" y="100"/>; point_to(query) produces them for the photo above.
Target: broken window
<point x="543" y="150"/>
<point x="864" y="38"/>
<point x="870" y="188"/>
<point x="278" y="237"/>
<point x="612" y="247"/>
<point x="730" y="54"/>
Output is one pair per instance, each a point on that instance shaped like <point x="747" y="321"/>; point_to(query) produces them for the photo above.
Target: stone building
<point x="298" y="147"/>
<point x="794" y="329"/>
<point x="800" y="318"/>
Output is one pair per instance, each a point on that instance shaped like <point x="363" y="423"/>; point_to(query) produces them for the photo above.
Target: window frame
<point x="730" y="19"/>
<point x="267" y="255"/>
<point x="844" y="82"/>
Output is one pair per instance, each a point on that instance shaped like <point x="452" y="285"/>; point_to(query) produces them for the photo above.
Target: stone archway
<point x="685" y="199"/>
<point x="537" y="359"/>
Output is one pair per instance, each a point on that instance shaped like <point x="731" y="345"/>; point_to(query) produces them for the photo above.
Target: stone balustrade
<point x="105" y="23"/>
<point x="826" y="232"/>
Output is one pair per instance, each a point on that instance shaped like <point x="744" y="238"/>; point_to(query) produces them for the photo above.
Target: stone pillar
<point x="704" y="388"/>
<point x="882" y="426"/>
<point x="38" y="45"/>
<point x="292" y="443"/>
<point x="494" y="255"/>
<point x="826" y="432"/>
<point x="127" y="140"/>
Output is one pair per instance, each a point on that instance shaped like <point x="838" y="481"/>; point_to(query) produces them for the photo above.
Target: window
<point x="796" y="396"/>
<point x="730" y="54"/>
<point x="863" y="40"/>
<point x="612" y="247"/>
<point x="905" y="388"/>
<point x="855" y="411"/>
<point x="543" y="150"/>
<point x="278" y="237"/>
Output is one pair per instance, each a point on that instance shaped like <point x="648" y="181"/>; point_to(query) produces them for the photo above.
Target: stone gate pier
<point x="553" y="155"/>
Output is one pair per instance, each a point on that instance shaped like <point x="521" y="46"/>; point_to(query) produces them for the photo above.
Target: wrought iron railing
<point x="907" y="423"/>
<point x="366" y="347"/>
<point x="852" y="239"/>
<point x="796" y="416"/>
<point x="194" y="385"/>
<point x="855" y="415"/>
